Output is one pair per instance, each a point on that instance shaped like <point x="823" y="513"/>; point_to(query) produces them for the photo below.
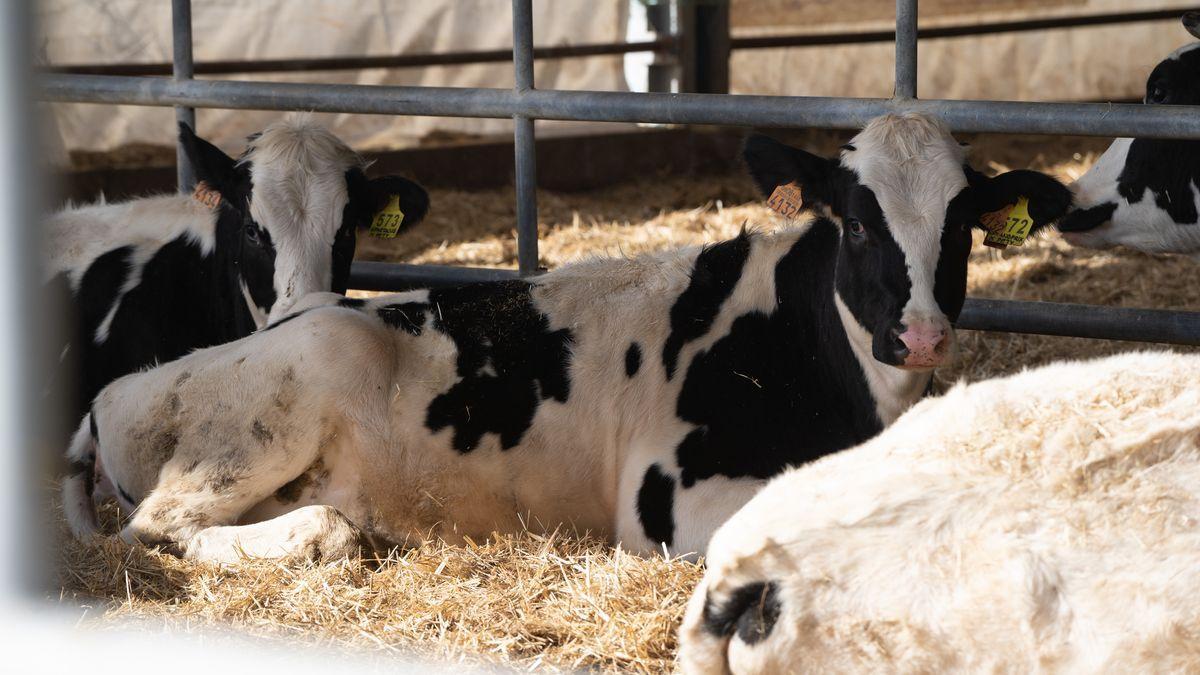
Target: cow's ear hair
<point x="1191" y="21"/>
<point x="1049" y="199"/>
<point x="375" y="194"/>
<point x="772" y="164"/>
<point x="218" y="170"/>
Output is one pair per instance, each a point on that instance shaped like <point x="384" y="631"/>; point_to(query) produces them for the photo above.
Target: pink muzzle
<point x="928" y="344"/>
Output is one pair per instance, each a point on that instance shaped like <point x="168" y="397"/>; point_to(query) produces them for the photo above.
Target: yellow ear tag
<point x="387" y="222"/>
<point x="1012" y="230"/>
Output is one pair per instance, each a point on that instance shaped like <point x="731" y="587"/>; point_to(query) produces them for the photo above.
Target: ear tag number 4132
<point x="387" y="222"/>
<point x="1008" y="229"/>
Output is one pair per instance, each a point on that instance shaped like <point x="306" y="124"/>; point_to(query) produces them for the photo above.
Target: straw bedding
<point x="565" y="602"/>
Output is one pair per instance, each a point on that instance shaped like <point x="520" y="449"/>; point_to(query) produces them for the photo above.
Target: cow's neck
<point x="893" y="389"/>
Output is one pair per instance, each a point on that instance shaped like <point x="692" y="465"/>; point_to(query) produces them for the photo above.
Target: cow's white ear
<point x="1191" y="21"/>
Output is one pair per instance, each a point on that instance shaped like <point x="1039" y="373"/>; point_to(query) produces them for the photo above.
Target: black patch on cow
<point x="1168" y="168"/>
<point x="1087" y="219"/>
<point x="751" y="611"/>
<point x="509" y="360"/>
<point x="260" y="432"/>
<point x="125" y="495"/>
<point x="717" y="270"/>
<point x="633" y="359"/>
<point x="285" y="319"/>
<point x="101" y="284"/>
<point x="94" y="426"/>
<point x="184" y="300"/>
<point x="352" y="303"/>
<point x="785" y="385"/>
<point x="406" y="316"/>
<point x="655" y="505"/>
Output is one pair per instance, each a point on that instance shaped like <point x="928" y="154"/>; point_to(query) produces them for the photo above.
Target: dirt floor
<point x="565" y="602"/>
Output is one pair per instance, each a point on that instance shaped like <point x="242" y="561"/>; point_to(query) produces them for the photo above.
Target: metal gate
<point x="706" y="40"/>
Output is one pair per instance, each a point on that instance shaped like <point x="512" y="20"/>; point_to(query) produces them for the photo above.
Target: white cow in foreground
<point x="1044" y="522"/>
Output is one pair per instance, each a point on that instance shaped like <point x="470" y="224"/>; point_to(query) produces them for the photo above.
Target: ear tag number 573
<point x="387" y="222"/>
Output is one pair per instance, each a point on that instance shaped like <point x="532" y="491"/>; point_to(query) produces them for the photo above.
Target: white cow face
<point x="290" y="208"/>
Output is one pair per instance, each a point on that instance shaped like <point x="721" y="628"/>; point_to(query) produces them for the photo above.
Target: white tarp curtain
<point x="1099" y="63"/>
<point x="121" y="31"/>
<point x="1091" y="63"/>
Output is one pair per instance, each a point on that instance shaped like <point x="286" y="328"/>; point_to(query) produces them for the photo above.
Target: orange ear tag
<point x="206" y="195"/>
<point x="786" y="200"/>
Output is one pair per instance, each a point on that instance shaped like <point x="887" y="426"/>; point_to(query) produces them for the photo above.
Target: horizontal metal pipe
<point x="1007" y="316"/>
<point x="394" y="277"/>
<point x="811" y="40"/>
<point x="1085" y="119"/>
<point x="329" y="63"/>
<point x="1086" y="321"/>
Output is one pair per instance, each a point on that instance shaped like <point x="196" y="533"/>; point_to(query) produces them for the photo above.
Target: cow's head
<point x="289" y="210"/>
<point x="905" y="203"/>
<point x="1141" y="193"/>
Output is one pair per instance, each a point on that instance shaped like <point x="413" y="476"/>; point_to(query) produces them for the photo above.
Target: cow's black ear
<point x="1191" y="21"/>
<point x="377" y="194"/>
<point x="212" y="166"/>
<point x="1049" y="199"/>
<point x="773" y="164"/>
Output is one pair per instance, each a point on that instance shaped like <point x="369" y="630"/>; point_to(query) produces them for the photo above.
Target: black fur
<point x="407" y="316"/>
<point x="496" y="326"/>
<point x="656" y="506"/>
<point x="751" y="611"/>
<point x="778" y="389"/>
<point x="633" y="359"/>
<point x="1087" y="219"/>
<point x="716" y="272"/>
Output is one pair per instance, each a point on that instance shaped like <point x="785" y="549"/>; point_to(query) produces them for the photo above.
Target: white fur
<point x="1045" y="522"/>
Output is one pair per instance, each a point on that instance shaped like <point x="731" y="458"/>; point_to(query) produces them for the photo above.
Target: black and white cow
<point x="152" y="279"/>
<point x="1144" y="193"/>
<point x="641" y="399"/>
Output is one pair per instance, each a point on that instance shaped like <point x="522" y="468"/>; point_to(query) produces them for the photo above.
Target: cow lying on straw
<point x="1044" y="522"/>
<point x="644" y="400"/>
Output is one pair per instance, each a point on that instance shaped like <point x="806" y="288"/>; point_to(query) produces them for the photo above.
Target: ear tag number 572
<point x="1013" y="229"/>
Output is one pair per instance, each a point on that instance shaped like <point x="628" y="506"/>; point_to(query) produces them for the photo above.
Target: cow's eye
<point x="856" y="227"/>
<point x="252" y="236"/>
<point x="1157" y="94"/>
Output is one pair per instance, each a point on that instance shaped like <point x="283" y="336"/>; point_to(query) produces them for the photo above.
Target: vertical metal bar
<point x="906" y="49"/>
<point x="182" y="69"/>
<point x="712" y="47"/>
<point x="523" y="141"/>
<point x="664" y="69"/>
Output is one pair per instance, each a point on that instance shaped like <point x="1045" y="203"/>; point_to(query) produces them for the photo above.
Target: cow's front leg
<point x="316" y="532"/>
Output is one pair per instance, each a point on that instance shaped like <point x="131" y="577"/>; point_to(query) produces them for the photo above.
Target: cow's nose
<point x="922" y="344"/>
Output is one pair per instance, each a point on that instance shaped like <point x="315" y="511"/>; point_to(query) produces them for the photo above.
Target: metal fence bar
<point x="331" y="63"/>
<point x="940" y="32"/>
<point x="906" y="49"/>
<point x="392" y="277"/>
<point x="524" y="147"/>
<point x="1084" y="119"/>
<point x="181" y="71"/>
<point x="1086" y="321"/>
<point x="1013" y="316"/>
